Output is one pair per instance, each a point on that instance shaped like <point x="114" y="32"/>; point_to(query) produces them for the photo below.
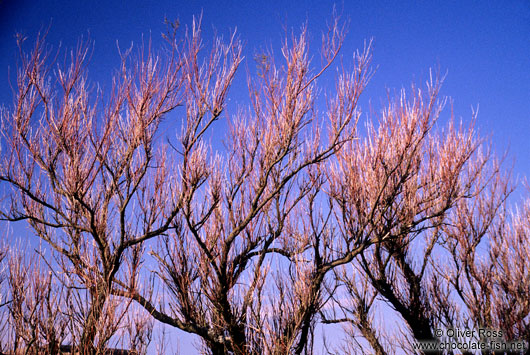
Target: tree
<point x="89" y="179"/>
<point x="300" y="220"/>
<point x="401" y="198"/>
<point x="42" y="314"/>
<point x="240" y="214"/>
<point x="429" y="204"/>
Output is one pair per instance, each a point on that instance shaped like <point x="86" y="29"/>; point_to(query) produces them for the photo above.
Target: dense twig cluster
<point x="299" y="221"/>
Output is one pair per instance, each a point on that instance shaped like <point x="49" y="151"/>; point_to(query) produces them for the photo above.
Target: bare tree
<point x="511" y="282"/>
<point x="488" y="245"/>
<point x="239" y="250"/>
<point x="42" y="313"/>
<point x="34" y="307"/>
<point x="401" y="187"/>
<point x="84" y="170"/>
<point x="298" y="220"/>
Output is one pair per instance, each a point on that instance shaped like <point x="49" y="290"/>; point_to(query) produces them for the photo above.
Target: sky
<point x="483" y="47"/>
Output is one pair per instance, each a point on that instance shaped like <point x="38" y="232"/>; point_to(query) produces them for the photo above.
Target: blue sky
<point x="484" y="46"/>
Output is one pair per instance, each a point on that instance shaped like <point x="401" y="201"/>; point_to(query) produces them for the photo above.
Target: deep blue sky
<point x="484" y="46"/>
